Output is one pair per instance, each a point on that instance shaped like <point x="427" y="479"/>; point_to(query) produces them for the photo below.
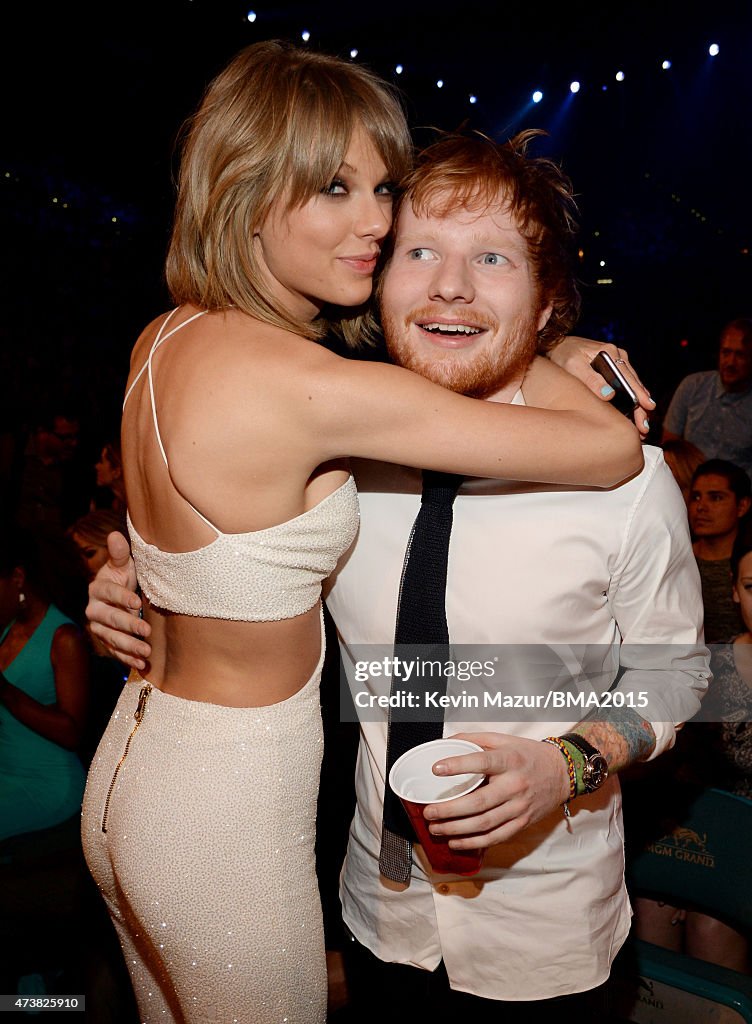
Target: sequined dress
<point x="199" y="820"/>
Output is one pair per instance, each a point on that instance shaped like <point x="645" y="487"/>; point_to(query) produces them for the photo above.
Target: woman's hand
<point x="575" y="355"/>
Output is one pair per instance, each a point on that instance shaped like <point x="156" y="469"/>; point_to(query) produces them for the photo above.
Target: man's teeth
<point x="451" y="328"/>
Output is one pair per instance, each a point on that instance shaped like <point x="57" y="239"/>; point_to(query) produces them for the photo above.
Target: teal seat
<point x="702" y="864"/>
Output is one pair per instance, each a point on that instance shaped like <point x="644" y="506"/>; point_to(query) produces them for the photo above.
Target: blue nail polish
<point x="607" y="390"/>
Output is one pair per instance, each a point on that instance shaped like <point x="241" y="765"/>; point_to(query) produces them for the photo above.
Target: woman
<point x="90" y="532"/>
<point x="199" y="818"/>
<point x="718" y="752"/>
<point x="44" y="695"/>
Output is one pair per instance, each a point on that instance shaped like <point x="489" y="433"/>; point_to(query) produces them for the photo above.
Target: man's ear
<point x="744" y="506"/>
<point x="544" y="316"/>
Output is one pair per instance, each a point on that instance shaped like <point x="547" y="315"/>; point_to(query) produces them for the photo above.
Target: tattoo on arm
<point x="620" y="735"/>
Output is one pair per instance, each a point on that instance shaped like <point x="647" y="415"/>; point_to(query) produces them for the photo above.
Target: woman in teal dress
<point x="44" y="694"/>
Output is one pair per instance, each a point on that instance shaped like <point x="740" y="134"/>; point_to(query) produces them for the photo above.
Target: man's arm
<point x="114" y="607"/>
<point x="655" y="598"/>
<point x="675" y="420"/>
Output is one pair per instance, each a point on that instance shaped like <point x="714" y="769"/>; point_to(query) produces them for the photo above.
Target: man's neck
<point x="506" y="393"/>
<point x="713" y="549"/>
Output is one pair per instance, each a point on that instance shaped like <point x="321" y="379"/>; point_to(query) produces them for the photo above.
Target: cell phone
<point x="625" y="399"/>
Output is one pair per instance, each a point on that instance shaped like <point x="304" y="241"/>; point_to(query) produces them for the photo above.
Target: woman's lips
<point x="365" y="264"/>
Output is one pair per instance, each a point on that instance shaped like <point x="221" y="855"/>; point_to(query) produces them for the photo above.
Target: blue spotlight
<point x="574" y="86"/>
<point x="251" y="16"/>
<point x="473" y="99"/>
<point x="714" y="49"/>
<point x="305" y="35"/>
<point x="399" y="69"/>
<point x="440" y="83"/>
<point x="353" y="53"/>
<point x="666" y="65"/>
<point x="537" y="96"/>
<point x="619" y="76"/>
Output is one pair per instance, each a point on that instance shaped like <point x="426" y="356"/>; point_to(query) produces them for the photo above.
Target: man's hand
<point x="527" y="780"/>
<point x="114" y="606"/>
<point x="575" y="355"/>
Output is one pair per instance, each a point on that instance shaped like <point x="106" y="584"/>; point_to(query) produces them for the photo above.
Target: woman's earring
<point x="21" y="599"/>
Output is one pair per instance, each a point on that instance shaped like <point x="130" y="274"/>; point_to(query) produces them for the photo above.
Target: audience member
<point x="713" y="409"/>
<point x="722" y="743"/>
<point x="682" y="458"/>
<point x="51" y="488"/>
<point x="109" y="470"/>
<point x="720" y="495"/>
<point x="44" y="691"/>
<point x="89" y="533"/>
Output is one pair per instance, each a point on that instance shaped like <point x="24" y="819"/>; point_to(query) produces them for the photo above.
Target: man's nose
<point x="452" y="282"/>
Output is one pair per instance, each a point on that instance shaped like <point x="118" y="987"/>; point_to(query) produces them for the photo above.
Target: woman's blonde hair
<point x="276" y="122"/>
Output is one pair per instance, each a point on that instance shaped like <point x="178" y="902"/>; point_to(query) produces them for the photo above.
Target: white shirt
<point x="549" y="910"/>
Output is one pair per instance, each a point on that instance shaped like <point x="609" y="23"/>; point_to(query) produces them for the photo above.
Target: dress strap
<point x="159" y="340"/>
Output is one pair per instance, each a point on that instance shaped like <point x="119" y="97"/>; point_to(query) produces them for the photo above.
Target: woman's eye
<point x="494" y="259"/>
<point x="336" y="187"/>
<point x="387" y="188"/>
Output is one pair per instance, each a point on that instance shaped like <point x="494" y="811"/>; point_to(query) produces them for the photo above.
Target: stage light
<point x="305" y="35"/>
<point x="619" y="76"/>
<point x="602" y="263"/>
<point x="666" y="65"/>
<point x="473" y="99"/>
<point x="537" y="96"/>
<point x="574" y="86"/>
<point x="399" y="69"/>
<point x="251" y="16"/>
<point x="714" y="49"/>
<point x="440" y="84"/>
<point x="353" y="54"/>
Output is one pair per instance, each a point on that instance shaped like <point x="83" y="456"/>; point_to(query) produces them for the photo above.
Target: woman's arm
<point x="62" y="722"/>
<point x="575" y="355"/>
<point x="384" y="412"/>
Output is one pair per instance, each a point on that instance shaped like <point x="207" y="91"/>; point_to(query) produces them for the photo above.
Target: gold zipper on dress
<point x="138" y="716"/>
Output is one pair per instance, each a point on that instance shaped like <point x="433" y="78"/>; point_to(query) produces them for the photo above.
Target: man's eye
<point x="494" y="259"/>
<point x="419" y="254"/>
<point x="336" y="187"/>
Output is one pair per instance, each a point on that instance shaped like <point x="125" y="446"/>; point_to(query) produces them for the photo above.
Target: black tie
<point x="421" y="620"/>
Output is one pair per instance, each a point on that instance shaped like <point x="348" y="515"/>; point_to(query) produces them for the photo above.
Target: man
<point x="51" y="487"/>
<point x="479" y="281"/>
<point x="713" y="409"/>
<point x="719" y="497"/>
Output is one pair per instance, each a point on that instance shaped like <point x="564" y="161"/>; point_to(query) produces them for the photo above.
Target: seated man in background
<point x="719" y="498"/>
<point x="713" y="409"/>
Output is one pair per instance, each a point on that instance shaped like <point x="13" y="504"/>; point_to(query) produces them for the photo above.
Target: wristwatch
<point x="595" y="767"/>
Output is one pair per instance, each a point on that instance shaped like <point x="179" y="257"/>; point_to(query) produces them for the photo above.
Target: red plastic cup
<point x="413" y="781"/>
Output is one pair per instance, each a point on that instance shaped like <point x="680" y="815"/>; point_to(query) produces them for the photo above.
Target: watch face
<point x="595" y="772"/>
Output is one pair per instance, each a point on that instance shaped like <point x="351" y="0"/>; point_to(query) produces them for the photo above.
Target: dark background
<point x="94" y="97"/>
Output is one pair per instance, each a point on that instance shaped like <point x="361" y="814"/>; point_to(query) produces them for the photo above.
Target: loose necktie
<point x="421" y="620"/>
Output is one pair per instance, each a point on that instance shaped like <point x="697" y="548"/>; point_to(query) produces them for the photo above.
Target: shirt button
<point x="443" y="888"/>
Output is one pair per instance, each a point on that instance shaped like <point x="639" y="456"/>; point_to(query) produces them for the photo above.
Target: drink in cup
<point x="415" y="784"/>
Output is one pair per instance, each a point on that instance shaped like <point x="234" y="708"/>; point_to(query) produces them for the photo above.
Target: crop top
<point x="261" y="576"/>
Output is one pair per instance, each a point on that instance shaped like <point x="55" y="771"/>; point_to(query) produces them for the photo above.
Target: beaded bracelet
<point x="556" y="742"/>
